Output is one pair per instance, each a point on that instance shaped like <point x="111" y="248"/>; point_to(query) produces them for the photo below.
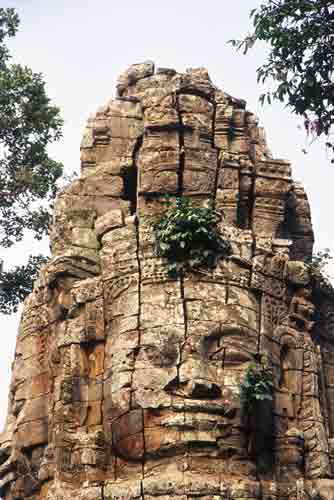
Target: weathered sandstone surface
<point x="126" y="383"/>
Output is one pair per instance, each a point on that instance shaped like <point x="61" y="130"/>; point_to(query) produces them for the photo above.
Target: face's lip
<point x="195" y="424"/>
<point x="202" y="406"/>
<point x="233" y="356"/>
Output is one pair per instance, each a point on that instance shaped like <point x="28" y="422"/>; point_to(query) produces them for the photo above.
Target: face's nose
<point x="198" y="380"/>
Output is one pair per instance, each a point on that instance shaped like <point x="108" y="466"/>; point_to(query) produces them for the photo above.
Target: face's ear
<point x="297" y="224"/>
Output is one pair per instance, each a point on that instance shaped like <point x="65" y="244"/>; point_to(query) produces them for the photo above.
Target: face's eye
<point x="231" y="345"/>
<point x="212" y="348"/>
<point x="165" y="354"/>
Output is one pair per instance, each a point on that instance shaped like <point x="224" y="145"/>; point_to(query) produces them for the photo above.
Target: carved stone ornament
<point x="125" y="382"/>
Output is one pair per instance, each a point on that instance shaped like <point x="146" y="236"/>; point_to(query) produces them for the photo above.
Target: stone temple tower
<point x="126" y="381"/>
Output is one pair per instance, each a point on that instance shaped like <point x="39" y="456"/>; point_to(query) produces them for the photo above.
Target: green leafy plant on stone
<point x="256" y="398"/>
<point x="188" y="236"/>
<point x="257" y="384"/>
<point x="317" y="265"/>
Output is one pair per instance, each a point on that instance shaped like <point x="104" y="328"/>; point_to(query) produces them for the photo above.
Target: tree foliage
<point x="28" y="123"/>
<point x="300" y="62"/>
<point x="318" y="264"/>
<point x="17" y="283"/>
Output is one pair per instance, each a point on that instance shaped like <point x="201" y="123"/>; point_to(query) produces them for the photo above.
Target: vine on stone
<point x="189" y="237"/>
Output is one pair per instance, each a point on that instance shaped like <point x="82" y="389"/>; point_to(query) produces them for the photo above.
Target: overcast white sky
<point x="81" y="46"/>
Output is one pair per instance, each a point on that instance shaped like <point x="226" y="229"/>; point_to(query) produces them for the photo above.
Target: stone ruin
<point x="126" y="383"/>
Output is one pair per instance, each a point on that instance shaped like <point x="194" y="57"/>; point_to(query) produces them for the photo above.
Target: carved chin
<point x="150" y="433"/>
<point x="130" y="448"/>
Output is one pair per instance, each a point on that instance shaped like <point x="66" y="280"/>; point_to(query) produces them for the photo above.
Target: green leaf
<point x="17" y="283"/>
<point x="188" y="236"/>
<point x="299" y="64"/>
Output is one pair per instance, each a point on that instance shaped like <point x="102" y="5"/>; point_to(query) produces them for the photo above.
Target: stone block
<point x="108" y="221"/>
<point x="84" y="237"/>
<point x="33" y="433"/>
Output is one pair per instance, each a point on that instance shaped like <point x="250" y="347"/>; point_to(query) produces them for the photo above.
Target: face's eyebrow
<point x="227" y="329"/>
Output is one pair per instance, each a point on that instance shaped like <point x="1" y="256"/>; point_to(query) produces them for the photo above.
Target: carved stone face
<point x="185" y="369"/>
<point x="126" y="382"/>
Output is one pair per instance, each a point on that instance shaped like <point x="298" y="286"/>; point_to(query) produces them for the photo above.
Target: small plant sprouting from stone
<point x="257" y="384"/>
<point x="188" y="236"/>
<point x="317" y="265"/>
